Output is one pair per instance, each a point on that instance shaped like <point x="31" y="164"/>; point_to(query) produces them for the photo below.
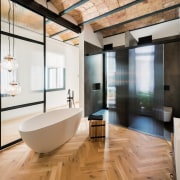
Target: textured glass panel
<point x="146" y="94"/>
<point x="30" y="73"/>
<point x="11" y="119"/>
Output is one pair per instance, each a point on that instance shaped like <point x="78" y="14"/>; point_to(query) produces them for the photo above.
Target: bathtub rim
<point x="23" y="130"/>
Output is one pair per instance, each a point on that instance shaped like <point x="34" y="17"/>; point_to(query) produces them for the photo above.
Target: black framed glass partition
<point x="26" y="41"/>
<point x="30" y="72"/>
<point x="10" y="120"/>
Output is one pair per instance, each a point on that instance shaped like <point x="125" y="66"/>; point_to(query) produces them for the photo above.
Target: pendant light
<point x="9" y="63"/>
<point x="14" y="88"/>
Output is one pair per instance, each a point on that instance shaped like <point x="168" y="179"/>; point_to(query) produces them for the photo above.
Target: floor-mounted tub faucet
<point x="70" y="98"/>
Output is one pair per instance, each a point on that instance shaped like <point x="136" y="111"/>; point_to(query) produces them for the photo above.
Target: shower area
<point x="135" y="88"/>
<point x="146" y="89"/>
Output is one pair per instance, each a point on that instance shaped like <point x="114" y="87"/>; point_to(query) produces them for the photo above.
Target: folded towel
<point x="95" y="117"/>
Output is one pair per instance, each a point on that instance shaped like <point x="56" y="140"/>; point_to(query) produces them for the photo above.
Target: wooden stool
<point x="97" y="129"/>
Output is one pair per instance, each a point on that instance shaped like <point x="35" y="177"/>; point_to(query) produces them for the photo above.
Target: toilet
<point x="167" y="114"/>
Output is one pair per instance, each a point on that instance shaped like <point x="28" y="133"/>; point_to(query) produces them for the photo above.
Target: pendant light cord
<point x="14" y="72"/>
<point x="13" y="29"/>
<point x="9" y="14"/>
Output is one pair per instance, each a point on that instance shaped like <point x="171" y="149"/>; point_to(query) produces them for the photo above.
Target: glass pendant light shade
<point x="9" y="63"/>
<point x="14" y="88"/>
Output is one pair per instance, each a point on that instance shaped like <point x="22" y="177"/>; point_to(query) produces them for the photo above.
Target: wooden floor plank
<point x="123" y="155"/>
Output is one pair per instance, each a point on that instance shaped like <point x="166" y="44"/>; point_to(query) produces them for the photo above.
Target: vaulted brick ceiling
<point x="110" y="17"/>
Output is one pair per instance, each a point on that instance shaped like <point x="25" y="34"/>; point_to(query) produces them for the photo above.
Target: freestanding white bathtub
<point x="48" y="131"/>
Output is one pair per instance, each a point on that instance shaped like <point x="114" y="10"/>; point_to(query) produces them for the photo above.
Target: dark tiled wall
<point x="122" y="81"/>
<point x="93" y="77"/>
<point x="172" y="76"/>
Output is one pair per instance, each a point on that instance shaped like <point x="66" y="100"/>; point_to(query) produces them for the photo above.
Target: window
<point x="55" y="72"/>
<point x="111" y="73"/>
<point x="55" y="78"/>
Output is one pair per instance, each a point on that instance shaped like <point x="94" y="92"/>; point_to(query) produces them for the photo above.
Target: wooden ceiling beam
<point x="112" y="12"/>
<point x="39" y="9"/>
<point x="72" y="7"/>
<point x="138" y="18"/>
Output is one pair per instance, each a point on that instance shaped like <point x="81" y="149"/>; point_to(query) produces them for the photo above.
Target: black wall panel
<point x="122" y="80"/>
<point x="172" y="76"/>
<point x="93" y="78"/>
<point x="93" y="83"/>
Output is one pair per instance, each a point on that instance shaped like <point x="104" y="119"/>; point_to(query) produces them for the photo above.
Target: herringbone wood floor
<point x="125" y="154"/>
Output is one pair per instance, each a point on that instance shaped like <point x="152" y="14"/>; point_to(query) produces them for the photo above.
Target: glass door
<point x="146" y="90"/>
<point x="144" y="72"/>
<point x="110" y="80"/>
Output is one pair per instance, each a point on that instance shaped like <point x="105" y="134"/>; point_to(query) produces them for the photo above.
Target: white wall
<point x="91" y="37"/>
<point x="162" y="30"/>
<point x="71" y="53"/>
<point x="117" y="40"/>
